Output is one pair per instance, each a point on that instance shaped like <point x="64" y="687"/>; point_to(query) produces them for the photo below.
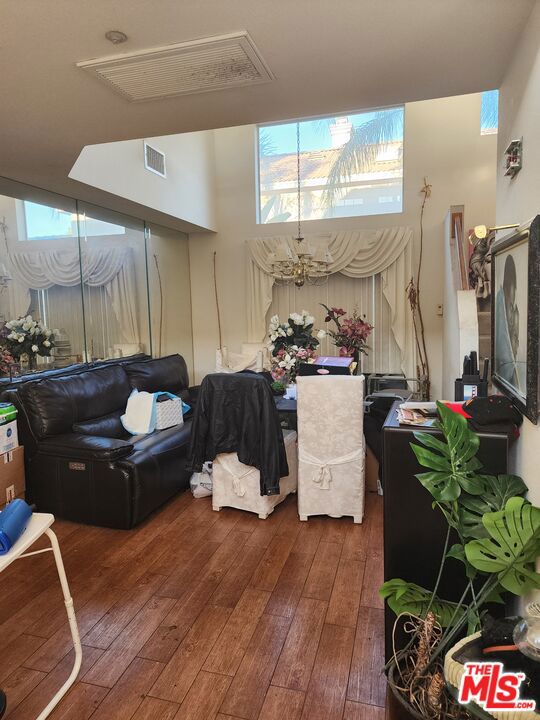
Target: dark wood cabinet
<point x="414" y="532"/>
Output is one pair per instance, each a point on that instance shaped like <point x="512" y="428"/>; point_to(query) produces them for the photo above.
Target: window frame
<point x="310" y="118"/>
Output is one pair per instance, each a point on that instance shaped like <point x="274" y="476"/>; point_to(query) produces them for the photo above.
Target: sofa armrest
<point x="85" y="447"/>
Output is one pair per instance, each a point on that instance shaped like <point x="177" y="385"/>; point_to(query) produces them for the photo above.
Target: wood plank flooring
<point x="196" y="615"/>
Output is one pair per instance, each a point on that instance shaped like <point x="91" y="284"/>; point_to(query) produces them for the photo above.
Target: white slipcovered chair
<point x="237" y="485"/>
<point x="254" y="356"/>
<point x="331" y="453"/>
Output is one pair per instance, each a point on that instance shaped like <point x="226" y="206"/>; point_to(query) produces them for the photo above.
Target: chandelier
<point x="302" y="263"/>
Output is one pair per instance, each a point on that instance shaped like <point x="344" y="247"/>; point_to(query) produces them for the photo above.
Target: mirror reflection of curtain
<point x="364" y="294"/>
<point x="56" y="309"/>
<point x="110" y="295"/>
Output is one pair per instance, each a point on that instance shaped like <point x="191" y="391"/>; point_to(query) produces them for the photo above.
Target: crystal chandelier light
<point x="303" y="263"/>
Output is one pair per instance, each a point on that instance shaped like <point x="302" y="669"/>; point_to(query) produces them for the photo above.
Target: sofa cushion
<point x="55" y="405"/>
<point x="168" y="373"/>
<point x="109" y="426"/>
<point x="162" y="441"/>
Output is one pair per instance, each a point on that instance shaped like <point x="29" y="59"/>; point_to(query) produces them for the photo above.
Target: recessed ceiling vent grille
<point x="154" y="160"/>
<point x="191" y="67"/>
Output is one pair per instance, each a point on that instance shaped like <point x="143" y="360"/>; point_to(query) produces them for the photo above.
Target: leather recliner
<point x="81" y="464"/>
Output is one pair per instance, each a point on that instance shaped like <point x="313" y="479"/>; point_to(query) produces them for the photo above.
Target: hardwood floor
<point x="197" y="615"/>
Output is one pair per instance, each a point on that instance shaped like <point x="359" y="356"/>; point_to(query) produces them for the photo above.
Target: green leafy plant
<point x="278" y="387"/>
<point x="498" y="534"/>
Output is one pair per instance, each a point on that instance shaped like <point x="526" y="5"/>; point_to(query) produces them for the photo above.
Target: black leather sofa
<point x="80" y="463"/>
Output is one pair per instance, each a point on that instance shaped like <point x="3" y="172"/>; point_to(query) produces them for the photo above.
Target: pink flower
<point x="278" y="373"/>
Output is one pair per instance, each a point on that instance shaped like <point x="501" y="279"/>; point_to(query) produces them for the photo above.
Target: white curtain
<point x="110" y="271"/>
<point x="363" y="294"/>
<point x="381" y="259"/>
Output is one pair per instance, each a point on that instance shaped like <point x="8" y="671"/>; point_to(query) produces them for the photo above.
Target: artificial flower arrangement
<point x="291" y="343"/>
<point x="351" y="333"/>
<point x="6" y="361"/>
<point x="27" y="336"/>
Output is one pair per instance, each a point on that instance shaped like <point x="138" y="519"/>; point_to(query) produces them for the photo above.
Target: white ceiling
<point x="327" y="56"/>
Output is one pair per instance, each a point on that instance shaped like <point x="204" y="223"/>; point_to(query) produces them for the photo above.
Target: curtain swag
<point x="42" y="270"/>
<point x="112" y="268"/>
<point x="357" y="254"/>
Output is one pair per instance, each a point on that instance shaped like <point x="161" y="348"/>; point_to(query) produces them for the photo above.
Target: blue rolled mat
<point x="13" y="521"/>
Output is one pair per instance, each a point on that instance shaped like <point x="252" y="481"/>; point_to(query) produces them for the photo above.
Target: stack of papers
<point x="417" y="413"/>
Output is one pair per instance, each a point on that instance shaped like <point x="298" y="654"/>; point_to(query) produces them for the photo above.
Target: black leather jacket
<point x="237" y="413"/>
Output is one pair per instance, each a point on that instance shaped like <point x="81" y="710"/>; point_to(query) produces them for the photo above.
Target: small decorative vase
<point x="28" y="362"/>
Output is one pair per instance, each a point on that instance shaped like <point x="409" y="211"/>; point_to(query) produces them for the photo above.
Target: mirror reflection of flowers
<point x="6" y="361"/>
<point x="27" y="336"/>
<point x="350" y="334"/>
<point x="291" y="343"/>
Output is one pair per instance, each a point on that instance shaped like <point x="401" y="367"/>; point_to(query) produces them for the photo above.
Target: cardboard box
<point x="9" y="438"/>
<point x="12" y="482"/>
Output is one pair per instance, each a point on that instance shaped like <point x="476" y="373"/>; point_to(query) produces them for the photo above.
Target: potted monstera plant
<point x="498" y="541"/>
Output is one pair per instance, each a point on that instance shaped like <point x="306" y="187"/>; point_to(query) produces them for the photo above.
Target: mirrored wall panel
<point x="170" y="293"/>
<point x="41" y="309"/>
<point x="113" y="261"/>
<point x="74" y="284"/>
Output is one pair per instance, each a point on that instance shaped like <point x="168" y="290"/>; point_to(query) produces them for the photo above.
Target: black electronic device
<point x="471" y="384"/>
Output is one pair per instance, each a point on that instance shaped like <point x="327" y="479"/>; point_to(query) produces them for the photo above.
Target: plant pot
<point x="399" y="708"/>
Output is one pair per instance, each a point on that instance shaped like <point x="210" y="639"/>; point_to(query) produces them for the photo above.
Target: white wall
<point x="186" y="193"/>
<point x="518" y="200"/>
<point x="442" y="142"/>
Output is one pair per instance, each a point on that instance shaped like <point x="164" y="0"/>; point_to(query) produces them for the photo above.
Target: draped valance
<point x="386" y="252"/>
<point x="41" y="270"/>
<point x="113" y="269"/>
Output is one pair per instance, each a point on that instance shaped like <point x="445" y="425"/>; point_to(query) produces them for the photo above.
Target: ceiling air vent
<point x="197" y="66"/>
<point x="154" y="160"/>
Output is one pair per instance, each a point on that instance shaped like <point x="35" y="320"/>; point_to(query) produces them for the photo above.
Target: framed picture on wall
<point x="515" y="318"/>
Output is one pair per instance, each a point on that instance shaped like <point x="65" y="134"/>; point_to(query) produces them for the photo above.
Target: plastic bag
<point x="201" y="483"/>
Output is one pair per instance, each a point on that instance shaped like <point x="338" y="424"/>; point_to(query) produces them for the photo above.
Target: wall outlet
<point x="440" y="310"/>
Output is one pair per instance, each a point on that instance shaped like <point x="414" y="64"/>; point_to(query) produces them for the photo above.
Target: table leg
<point x="68" y="600"/>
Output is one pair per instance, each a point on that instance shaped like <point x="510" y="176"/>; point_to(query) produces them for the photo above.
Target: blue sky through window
<point x="43" y="221"/>
<point x="48" y="223"/>
<point x="489" y="112"/>
<point x="314" y="134"/>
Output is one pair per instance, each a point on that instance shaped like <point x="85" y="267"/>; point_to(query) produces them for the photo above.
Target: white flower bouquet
<point x="27" y="336"/>
<point x="290" y="343"/>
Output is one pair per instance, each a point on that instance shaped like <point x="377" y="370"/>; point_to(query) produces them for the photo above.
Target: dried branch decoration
<point x="413" y="296"/>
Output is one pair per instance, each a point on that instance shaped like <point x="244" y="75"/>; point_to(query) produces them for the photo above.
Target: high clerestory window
<point x="350" y="165"/>
<point x="489" y="112"/>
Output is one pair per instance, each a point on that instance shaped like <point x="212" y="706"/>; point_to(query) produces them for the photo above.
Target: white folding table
<point x="40" y="524"/>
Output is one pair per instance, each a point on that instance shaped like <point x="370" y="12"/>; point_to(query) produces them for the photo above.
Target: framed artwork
<point x="515" y="319"/>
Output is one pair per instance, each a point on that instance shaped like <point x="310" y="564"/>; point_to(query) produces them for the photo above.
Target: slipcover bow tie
<point x="323" y="473"/>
